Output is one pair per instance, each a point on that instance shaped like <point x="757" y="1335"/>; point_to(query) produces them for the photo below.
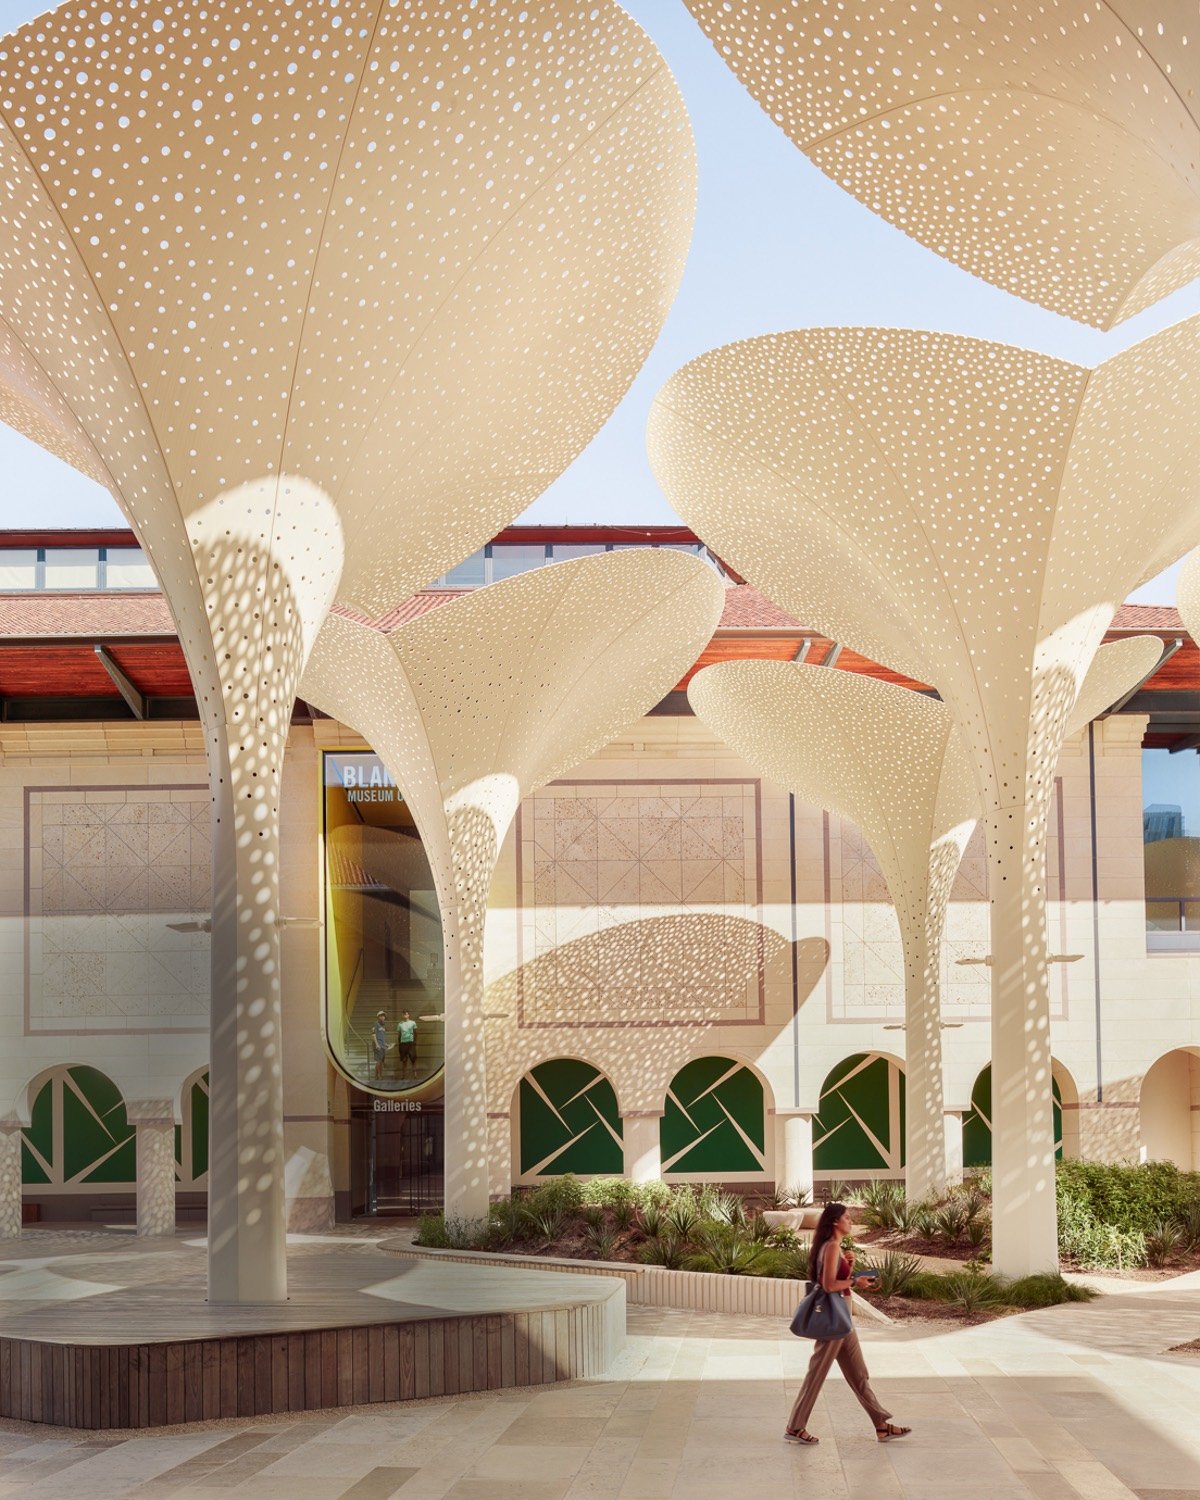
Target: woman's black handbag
<point x="822" y="1315"/>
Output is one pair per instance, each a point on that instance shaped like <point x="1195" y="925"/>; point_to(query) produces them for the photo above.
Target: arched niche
<point x="79" y="1137"/>
<point x="977" y="1122"/>
<point x="567" y="1119"/>
<point x="1169" y="1109"/>
<point x="191" y="1134"/>
<point x="859" y="1127"/>
<point x="714" y="1121"/>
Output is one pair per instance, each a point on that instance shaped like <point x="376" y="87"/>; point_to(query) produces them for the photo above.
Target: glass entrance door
<point x="397" y="1157"/>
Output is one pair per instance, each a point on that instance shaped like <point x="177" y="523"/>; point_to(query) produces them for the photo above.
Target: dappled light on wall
<point x="478" y="703"/>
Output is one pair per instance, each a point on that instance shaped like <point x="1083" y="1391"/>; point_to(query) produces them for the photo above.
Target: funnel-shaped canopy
<point x="1050" y="149"/>
<point x="1187" y="595"/>
<point x="887" y="759"/>
<point x="1116" y="670"/>
<point x="483" y="700"/>
<point x="968" y="513"/>
<point x="412" y="263"/>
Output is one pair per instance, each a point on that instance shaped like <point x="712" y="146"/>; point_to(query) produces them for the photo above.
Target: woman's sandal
<point x="804" y="1437"/>
<point x="887" y="1433"/>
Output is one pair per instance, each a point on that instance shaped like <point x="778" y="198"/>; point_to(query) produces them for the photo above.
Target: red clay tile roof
<point x="1148" y="617"/>
<point x="97" y="615"/>
<point x="90" y="615"/>
<point x="747" y="609"/>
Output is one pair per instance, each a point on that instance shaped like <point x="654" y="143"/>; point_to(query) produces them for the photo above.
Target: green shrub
<point x="1088" y="1240"/>
<point x="561" y="1194"/>
<point x="592" y="1216"/>
<point x="438" y="1233"/>
<point x="1046" y="1289"/>
<point x="663" y="1250"/>
<point x="924" y="1286"/>
<point x="607" y="1192"/>
<point x="656" y="1194"/>
<point x="1128" y="1197"/>
<point x="895" y="1271"/>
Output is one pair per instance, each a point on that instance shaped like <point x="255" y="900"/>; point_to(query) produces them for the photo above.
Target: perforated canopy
<point x="1050" y="148"/>
<point x="307" y="284"/>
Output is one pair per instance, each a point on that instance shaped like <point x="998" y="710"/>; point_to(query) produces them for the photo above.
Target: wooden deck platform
<point x="111" y="1332"/>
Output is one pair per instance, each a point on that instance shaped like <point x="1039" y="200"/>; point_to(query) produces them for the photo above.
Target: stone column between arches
<point x="154" y="1123"/>
<point x="10" y="1177"/>
<point x="952" y="1127"/>
<point x="794" y="1150"/>
<point x="643" y="1144"/>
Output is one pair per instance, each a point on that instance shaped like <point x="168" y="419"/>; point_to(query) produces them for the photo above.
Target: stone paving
<point x="1077" y="1401"/>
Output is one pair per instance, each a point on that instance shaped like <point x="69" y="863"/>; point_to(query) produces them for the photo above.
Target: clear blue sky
<point x="776" y="246"/>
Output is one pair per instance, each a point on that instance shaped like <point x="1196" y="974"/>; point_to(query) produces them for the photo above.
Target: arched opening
<point x="191" y="1134"/>
<point x="977" y="1122"/>
<point x="383" y="987"/>
<point x="568" y="1120"/>
<point x="714" y="1122"/>
<point x="79" y="1152"/>
<point x="859" y="1127"/>
<point x="384" y="991"/>
<point x="1169" y="1108"/>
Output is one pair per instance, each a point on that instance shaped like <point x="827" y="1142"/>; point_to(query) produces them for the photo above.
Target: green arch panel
<point x="192" y="1135"/>
<point x="977" y="1123"/>
<point x="569" y="1121"/>
<point x="860" y="1124"/>
<point x="715" y="1119"/>
<point x="78" y="1132"/>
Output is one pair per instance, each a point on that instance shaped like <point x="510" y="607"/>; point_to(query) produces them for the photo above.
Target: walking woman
<point x="831" y="1266"/>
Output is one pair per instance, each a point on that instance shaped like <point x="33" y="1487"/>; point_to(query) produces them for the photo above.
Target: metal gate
<point x="397" y="1157"/>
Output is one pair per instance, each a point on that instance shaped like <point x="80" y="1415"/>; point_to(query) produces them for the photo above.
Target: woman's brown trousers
<point x="849" y="1356"/>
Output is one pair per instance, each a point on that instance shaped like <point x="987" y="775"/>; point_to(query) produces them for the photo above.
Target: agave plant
<point x="601" y="1241"/>
<point x="977" y="1232"/>
<point x="971" y="1290"/>
<point x="949" y="1221"/>
<point x="664" y="1250"/>
<point x="722" y="1208"/>
<point x="683" y="1213"/>
<point x="1189" y="1226"/>
<point x="506" y="1224"/>
<point x="623" y="1212"/>
<point x="895" y="1271"/>
<point x="728" y="1249"/>
<point x="796" y="1195"/>
<point x="546" y="1223"/>
<point x="1163" y="1240"/>
<point x="917" y="1218"/>
<point x="882" y="1202"/>
<point x="759" y="1229"/>
<point x="651" y="1219"/>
